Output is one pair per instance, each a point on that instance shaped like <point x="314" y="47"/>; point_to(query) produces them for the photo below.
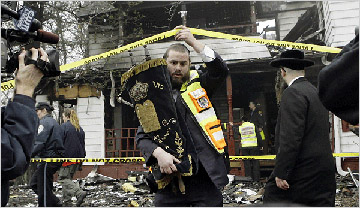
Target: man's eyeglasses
<point x="282" y="68"/>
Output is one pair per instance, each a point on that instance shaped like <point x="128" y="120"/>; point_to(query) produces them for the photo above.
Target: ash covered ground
<point x="108" y="192"/>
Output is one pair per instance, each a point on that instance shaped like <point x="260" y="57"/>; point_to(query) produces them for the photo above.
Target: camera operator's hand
<point x="28" y="77"/>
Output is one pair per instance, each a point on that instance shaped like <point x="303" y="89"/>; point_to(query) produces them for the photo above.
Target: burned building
<point x="110" y="124"/>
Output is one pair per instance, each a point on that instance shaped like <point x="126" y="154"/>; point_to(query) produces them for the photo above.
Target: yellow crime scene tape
<point x="11" y="84"/>
<point x="302" y="46"/>
<point x="8" y="85"/>
<point x="107" y="160"/>
<point x="141" y="159"/>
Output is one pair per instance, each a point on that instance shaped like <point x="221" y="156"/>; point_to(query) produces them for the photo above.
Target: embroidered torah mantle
<point x="149" y="87"/>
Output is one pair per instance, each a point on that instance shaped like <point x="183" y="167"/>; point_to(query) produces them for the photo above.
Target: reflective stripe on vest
<point x="200" y="106"/>
<point x="248" y="135"/>
<point x="262" y="135"/>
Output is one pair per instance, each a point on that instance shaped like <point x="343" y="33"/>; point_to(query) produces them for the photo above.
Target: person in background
<point x="48" y="144"/>
<point x="251" y="144"/>
<point x="304" y="171"/>
<point x="19" y="122"/>
<point x="74" y="143"/>
<point x="257" y="118"/>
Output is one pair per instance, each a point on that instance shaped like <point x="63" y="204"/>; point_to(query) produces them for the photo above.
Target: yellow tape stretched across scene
<point x="11" y="84"/>
<point x="107" y="160"/>
<point x="141" y="159"/>
<point x="302" y="46"/>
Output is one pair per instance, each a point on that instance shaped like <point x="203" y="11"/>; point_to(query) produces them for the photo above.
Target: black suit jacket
<point x="304" y="157"/>
<point x="257" y="119"/>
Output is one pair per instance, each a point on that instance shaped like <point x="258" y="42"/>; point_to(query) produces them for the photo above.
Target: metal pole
<point x="183" y="14"/>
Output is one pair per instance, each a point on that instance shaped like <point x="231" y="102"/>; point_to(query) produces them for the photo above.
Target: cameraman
<point x="19" y="123"/>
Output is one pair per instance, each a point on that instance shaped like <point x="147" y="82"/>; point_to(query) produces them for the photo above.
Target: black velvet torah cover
<point x="149" y="87"/>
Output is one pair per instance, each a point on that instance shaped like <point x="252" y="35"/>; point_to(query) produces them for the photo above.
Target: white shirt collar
<point x="292" y="81"/>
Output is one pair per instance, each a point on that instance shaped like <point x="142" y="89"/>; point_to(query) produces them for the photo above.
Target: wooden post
<point x="230" y="139"/>
<point x="253" y="17"/>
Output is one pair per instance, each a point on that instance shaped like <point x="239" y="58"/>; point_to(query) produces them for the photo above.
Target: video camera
<point x="27" y="30"/>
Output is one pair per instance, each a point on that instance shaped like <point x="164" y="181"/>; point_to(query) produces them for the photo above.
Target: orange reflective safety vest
<point x="200" y="106"/>
<point x="248" y="135"/>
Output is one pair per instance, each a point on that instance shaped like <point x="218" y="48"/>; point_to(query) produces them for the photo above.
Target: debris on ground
<point x="347" y="192"/>
<point x="94" y="178"/>
<point x="242" y="191"/>
<point x="104" y="191"/>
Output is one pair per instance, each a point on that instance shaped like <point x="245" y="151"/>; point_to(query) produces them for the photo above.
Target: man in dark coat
<point x="48" y="144"/>
<point x="209" y="168"/>
<point x="304" y="172"/>
<point x="74" y="143"/>
<point x="19" y="124"/>
<point x="255" y="116"/>
<point x="338" y="83"/>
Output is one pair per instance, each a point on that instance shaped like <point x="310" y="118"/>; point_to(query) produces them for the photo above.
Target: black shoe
<point x="81" y="199"/>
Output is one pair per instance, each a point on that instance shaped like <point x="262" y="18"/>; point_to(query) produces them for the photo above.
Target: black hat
<point x="42" y="105"/>
<point x="293" y="59"/>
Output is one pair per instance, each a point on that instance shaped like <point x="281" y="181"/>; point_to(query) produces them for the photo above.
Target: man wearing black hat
<point x="48" y="144"/>
<point x="304" y="170"/>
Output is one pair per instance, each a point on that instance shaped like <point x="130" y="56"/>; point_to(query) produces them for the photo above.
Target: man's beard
<point x="177" y="83"/>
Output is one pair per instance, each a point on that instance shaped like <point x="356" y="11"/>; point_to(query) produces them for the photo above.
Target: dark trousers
<point x="37" y="184"/>
<point x="274" y="195"/>
<point x="199" y="191"/>
<point x="320" y="193"/>
<point x="252" y="167"/>
<point x="5" y="192"/>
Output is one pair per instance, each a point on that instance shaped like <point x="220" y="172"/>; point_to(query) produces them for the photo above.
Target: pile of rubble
<point x="347" y="191"/>
<point x="104" y="191"/>
<point x="241" y="191"/>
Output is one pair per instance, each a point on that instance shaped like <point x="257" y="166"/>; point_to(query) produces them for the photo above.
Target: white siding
<point x="227" y="49"/>
<point x="340" y="20"/>
<point x="287" y="20"/>
<point x="91" y="117"/>
<point x="349" y="142"/>
<point x="289" y="15"/>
